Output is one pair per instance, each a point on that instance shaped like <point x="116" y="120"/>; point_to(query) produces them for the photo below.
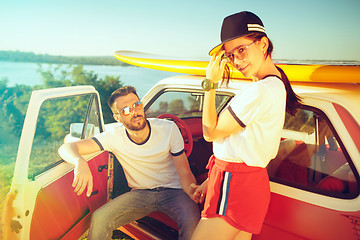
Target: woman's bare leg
<point x="217" y="228"/>
<point x="243" y="236"/>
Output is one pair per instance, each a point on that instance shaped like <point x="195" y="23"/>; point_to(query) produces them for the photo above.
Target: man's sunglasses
<point x="127" y="110"/>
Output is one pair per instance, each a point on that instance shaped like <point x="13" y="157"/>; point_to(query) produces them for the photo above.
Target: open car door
<point x="41" y="203"/>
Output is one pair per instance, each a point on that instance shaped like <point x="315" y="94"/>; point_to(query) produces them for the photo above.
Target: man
<point x="151" y="152"/>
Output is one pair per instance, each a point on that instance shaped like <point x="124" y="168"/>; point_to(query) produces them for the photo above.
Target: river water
<point x="142" y="79"/>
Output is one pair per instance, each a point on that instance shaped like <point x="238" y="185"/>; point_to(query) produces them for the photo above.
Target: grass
<point x="7" y="164"/>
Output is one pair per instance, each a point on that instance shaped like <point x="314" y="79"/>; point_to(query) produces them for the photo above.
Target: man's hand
<point x="192" y="190"/>
<point x="72" y="153"/>
<point x="199" y="192"/>
<point x="82" y="178"/>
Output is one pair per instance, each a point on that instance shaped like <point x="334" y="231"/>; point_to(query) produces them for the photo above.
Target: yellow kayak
<point x="295" y="72"/>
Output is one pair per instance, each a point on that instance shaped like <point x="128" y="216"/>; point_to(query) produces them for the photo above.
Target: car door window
<point x="312" y="157"/>
<point x="61" y="120"/>
<point x="182" y="104"/>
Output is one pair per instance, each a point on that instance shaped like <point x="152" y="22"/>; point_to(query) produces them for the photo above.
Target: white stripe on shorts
<point x="225" y="193"/>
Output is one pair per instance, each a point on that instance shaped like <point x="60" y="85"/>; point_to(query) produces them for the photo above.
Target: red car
<point x="314" y="178"/>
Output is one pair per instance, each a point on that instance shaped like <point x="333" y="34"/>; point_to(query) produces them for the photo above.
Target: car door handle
<point x="94" y="192"/>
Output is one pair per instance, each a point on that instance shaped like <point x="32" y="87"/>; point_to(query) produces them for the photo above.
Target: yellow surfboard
<point x="295" y="73"/>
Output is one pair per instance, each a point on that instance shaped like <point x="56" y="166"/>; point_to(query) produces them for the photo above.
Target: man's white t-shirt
<point x="150" y="164"/>
<point x="260" y="110"/>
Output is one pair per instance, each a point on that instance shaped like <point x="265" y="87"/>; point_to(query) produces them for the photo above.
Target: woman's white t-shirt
<point x="260" y="110"/>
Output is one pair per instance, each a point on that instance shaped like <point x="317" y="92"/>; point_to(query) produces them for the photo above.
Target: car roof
<point x="345" y="94"/>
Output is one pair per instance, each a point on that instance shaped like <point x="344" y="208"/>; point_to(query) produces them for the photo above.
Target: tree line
<point x="18" y="56"/>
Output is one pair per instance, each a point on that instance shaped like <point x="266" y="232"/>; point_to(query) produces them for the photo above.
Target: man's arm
<point x="72" y="153"/>
<point x="187" y="179"/>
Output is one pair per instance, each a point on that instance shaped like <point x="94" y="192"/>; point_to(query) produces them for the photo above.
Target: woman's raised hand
<point x="216" y="66"/>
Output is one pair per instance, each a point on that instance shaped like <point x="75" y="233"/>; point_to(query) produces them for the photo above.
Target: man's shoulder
<point x="113" y="127"/>
<point x="158" y="122"/>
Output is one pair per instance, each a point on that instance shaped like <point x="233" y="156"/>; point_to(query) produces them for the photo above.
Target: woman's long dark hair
<point x="293" y="101"/>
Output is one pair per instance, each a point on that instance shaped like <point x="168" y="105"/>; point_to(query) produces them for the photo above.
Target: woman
<point x="246" y="135"/>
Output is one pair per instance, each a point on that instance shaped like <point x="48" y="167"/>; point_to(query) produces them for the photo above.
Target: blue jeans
<point x="139" y="203"/>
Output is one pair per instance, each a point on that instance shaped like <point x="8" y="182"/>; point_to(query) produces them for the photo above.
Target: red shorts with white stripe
<point x="238" y="193"/>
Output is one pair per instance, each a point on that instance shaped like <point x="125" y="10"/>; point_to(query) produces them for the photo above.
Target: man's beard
<point x="136" y="127"/>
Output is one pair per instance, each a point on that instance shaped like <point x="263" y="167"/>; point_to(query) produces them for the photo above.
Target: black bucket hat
<point x="238" y="25"/>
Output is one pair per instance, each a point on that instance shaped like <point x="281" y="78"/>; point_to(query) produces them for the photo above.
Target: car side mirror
<point x="76" y="130"/>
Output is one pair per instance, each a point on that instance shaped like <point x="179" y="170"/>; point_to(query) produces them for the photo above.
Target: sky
<point x="299" y="30"/>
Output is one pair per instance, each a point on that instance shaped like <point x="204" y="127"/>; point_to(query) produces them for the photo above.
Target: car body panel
<point x="68" y="213"/>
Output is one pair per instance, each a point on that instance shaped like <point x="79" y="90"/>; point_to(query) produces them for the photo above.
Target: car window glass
<point x="182" y="104"/>
<point x="61" y="120"/>
<point x="311" y="157"/>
